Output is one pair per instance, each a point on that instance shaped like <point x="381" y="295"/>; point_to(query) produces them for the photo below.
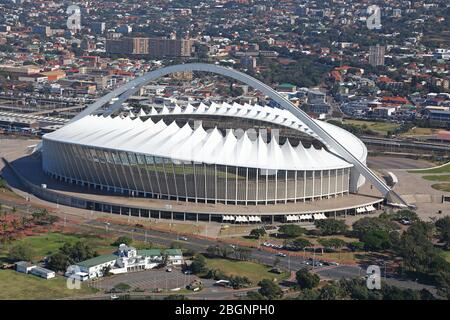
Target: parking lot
<point x="150" y="280"/>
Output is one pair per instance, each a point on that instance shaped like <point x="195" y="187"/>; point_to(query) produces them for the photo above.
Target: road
<point x="397" y="163"/>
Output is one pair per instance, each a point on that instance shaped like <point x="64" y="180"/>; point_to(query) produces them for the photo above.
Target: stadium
<point x="228" y="161"/>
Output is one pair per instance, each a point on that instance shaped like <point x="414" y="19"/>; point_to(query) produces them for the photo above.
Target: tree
<point x="307" y="280"/>
<point x="270" y="289"/>
<point x="213" y="250"/>
<point x="257" y="233"/>
<point x="308" y="294"/>
<point x="198" y="265"/>
<point x="418" y="252"/>
<point x="122" y="287"/>
<point x="21" y="252"/>
<point x="356" y="246"/>
<point x="255" y="295"/>
<point x="78" y="251"/>
<point x="366" y="224"/>
<point x="376" y="240"/>
<point x="242" y="253"/>
<point x="300" y="244"/>
<point x="333" y="243"/>
<point x="224" y="251"/>
<point x="122" y="240"/>
<point x="331" y="227"/>
<point x="443" y="229"/>
<point x="58" y="262"/>
<point x="291" y="230"/>
<point x="330" y="292"/>
<point x="407" y="215"/>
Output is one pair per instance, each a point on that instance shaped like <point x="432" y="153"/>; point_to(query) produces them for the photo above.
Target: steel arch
<point x="121" y="94"/>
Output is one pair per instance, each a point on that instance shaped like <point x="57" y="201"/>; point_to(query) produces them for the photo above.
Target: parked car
<point x="187" y="272"/>
<point x="114" y="297"/>
<point x="317" y="264"/>
<point x="169" y="269"/>
<point x="405" y="222"/>
<point x="276" y="270"/>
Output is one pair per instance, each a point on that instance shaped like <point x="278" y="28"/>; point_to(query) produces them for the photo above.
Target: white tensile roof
<point x="273" y="115"/>
<point x="187" y="144"/>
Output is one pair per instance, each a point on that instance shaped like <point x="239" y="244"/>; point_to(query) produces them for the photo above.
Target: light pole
<point x="289" y="262"/>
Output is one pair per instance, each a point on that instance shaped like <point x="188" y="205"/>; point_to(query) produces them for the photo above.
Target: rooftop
<point x="97" y="260"/>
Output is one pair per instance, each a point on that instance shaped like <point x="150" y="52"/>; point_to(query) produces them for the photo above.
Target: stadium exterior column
<point x="236" y="190"/>
<point x="321" y="184"/>
<point x="215" y="183"/>
<point x="336" y="182"/>
<point x="286" y="187"/>
<point x="295" y="187"/>
<point x="329" y="184"/>
<point x="185" y="184"/>
<point x="304" y="186"/>
<point x="246" y="185"/>
<point x="226" y="184"/>
<point x="276" y="186"/>
<point x="267" y="184"/>
<point x="257" y="185"/>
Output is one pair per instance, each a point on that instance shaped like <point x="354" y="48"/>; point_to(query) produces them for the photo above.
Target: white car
<point x="281" y="254"/>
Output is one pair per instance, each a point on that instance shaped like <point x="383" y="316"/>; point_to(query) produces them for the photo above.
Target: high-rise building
<point x="140" y="46"/>
<point x="376" y="55"/>
<point x="154" y="47"/>
<point x="159" y="48"/>
<point x="98" y="27"/>
<point x="119" y="46"/>
<point x="45" y="31"/>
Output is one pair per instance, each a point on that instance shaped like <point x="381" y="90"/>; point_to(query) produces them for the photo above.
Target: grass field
<point x="254" y="271"/>
<point x="444" y="178"/>
<point x="441" y="186"/>
<point x="379" y="127"/>
<point x="48" y="243"/>
<point x="418" y="131"/>
<point x="19" y="286"/>
<point x="446" y="255"/>
<point x="235" y="230"/>
<point x="443" y="169"/>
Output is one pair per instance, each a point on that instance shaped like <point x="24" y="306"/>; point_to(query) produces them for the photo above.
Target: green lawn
<point x="254" y="271"/>
<point x="20" y="286"/>
<point x="446" y="255"/>
<point x="443" y="169"/>
<point x="444" y="178"/>
<point x="441" y="186"/>
<point x="418" y="131"/>
<point x="380" y="127"/>
<point x="48" y="243"/>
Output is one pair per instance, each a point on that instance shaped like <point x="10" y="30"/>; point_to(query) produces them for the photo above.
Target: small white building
<point x="24" y="266"/>
<point x="43" y="273"/>
<point x="126" y="259"/>
<point x="27" y="267"/>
